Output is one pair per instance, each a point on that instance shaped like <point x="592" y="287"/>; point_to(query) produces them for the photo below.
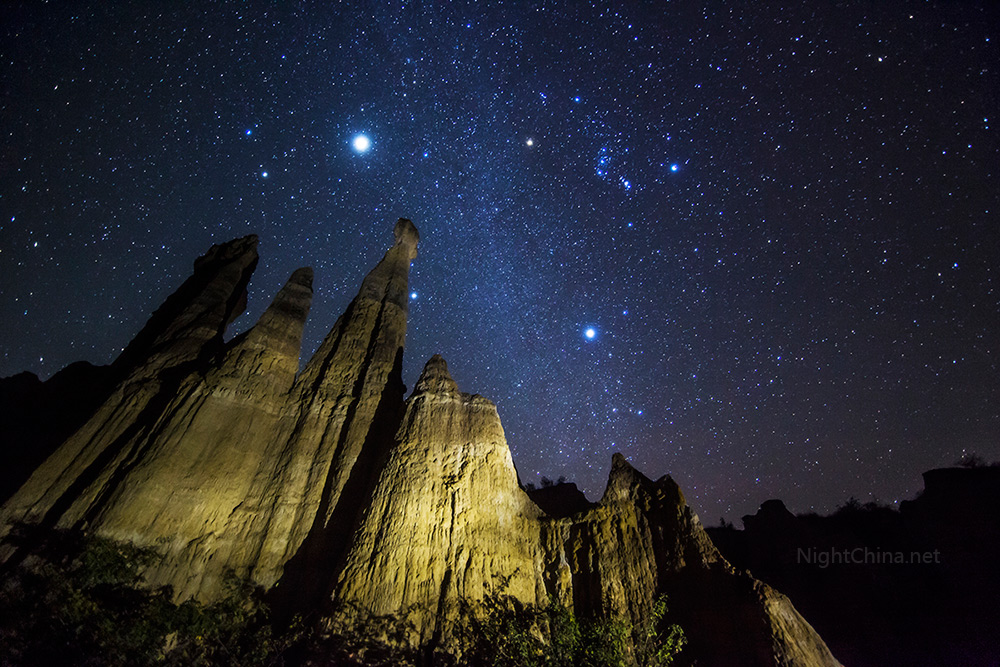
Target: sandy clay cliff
<point x="329" y="488"/>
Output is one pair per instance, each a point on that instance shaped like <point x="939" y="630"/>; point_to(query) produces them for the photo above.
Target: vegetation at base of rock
<point x="508" y="633"/>
<point x="81" y="600"/>
<point x="500" y="631"/>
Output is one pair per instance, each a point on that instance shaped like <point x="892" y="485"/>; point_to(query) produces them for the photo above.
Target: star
<point x="590" y="333"/>
<point x="529" y="143"/>
<point x="361" y="143"/>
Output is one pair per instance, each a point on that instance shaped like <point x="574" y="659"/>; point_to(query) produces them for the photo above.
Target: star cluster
<point x="753" y="246"/>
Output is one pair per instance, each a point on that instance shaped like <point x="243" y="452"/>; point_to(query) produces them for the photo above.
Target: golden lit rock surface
<point x="328" y="490"/>
<point x="448" y="521"/>
<point x="195" y="493"/>
<point x="181" y="335"/>
<point x="348" y="402"/>
<point x="230" y="461"/>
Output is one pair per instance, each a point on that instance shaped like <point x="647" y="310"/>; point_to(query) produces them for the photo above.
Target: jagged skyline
<point x="352" y="506"/>
<point x="779" y="223"/>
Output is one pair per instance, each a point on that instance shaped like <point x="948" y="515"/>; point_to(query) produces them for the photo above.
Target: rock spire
<point x="349" y="399"/>
<point x="448" y="522"/>
<point x="223" y="456"/>
<point x="178" y="339"/>
<point x="326" y="488"/>
<point x="191" y="490"/>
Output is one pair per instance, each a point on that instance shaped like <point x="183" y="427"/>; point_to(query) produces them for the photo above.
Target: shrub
<point x="81" y="600"/>
<point x="509" y="633"/>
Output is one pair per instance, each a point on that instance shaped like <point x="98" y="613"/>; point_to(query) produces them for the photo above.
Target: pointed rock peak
<point x="228" y="251"/>
<point x="389" y="280"/>
<point x="190" y="324"/>
<point x="436" y="379"/>
<point x="283" y="320"/>
<point x="622" y="470"/>
<point x="269" y="352"/>
<point x="622" y="478"/>
<point x="407" y="235"/>
<point x="620" y="463"/>
<point x="302" y="277"/>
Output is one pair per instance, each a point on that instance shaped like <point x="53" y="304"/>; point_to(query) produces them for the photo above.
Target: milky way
<point x="753" y="247"/>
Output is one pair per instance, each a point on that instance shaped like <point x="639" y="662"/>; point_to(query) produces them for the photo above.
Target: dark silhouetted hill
<point x="38" y="416"/>
<point x="917" y="586"/>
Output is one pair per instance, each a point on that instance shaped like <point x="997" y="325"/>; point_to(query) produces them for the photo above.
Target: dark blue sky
<point x="780" y="221"/>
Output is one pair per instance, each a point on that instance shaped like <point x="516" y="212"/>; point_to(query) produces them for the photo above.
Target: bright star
<point x="590" y="333"/>
<point x="361" y="143"/>
<point x="263" y="174"/>
<point x="529" y="142"/>
<point x="413" y="295"/>
<point x="674" y="167"/>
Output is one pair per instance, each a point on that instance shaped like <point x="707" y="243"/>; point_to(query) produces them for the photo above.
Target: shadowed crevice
<point x="307" y="581"/>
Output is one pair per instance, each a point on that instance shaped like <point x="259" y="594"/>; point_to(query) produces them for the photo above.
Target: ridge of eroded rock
<point x="326" y="488"/>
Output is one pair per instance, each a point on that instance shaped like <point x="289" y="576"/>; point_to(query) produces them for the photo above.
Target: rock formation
<point x="180" y="336"/>
<point x="190" y="487"/>
<point x="27" y="416"/>
<point x="219" y="455"/>
<point x="349" y="401"/>
<point x="328" y="490"/>
<point x="642" y="540"/>
<point x="448" y="521"/>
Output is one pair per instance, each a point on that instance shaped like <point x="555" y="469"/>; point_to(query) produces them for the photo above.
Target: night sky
<point x="754" y="246"/>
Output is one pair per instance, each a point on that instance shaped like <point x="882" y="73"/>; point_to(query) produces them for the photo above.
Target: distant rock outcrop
<point x="559" y="500"/>
<point x="916" y="585"/>
<point x="328" y="490"/>
<point x="27" y="416"/>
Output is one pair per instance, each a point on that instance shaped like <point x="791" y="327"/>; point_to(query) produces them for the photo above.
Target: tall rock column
<point x="195" y="492"/>
<point x="448" y="522"/>
<point x="180" y="337"/>
<point x="349" y="399"/>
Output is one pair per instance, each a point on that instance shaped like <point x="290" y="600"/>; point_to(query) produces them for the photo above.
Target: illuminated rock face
<point x="72" y="485"/>
<point x="225" y="457"/>
<point x="324" y="487"/>
<point x="200" y="489"/>
<point x="448" y="520"/>
<point x="642" y="541"/>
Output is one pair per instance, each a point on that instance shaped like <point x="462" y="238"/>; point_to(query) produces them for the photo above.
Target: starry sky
<point x="753" y="246"/>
